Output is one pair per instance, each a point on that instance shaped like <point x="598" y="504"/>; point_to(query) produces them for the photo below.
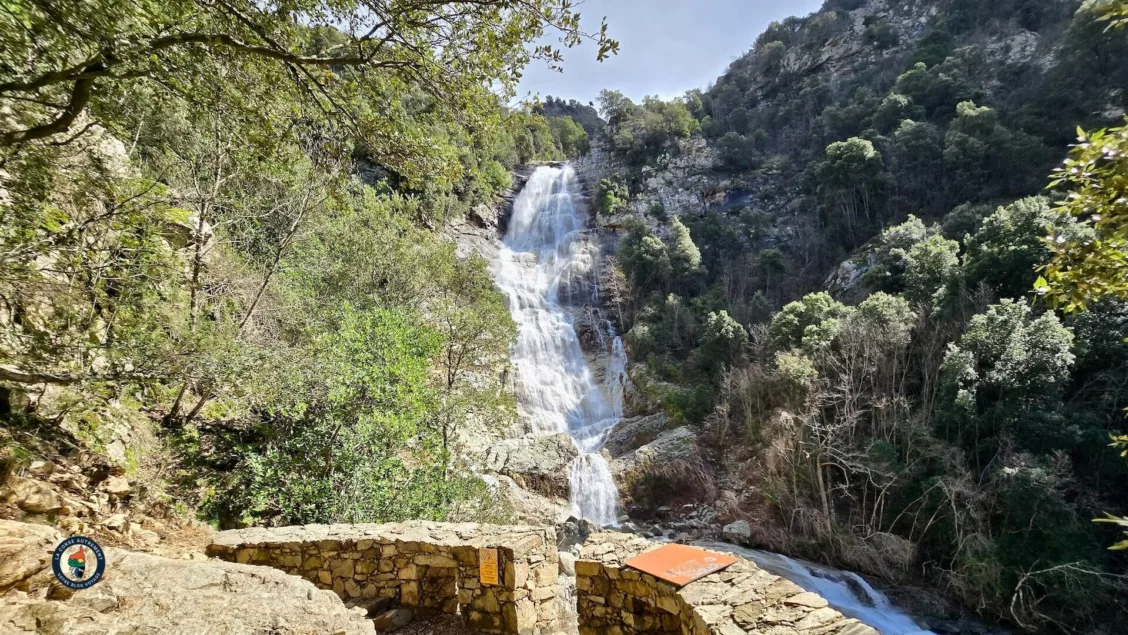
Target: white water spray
<point x="546" y="266"/>
<point x="847" y="592"/>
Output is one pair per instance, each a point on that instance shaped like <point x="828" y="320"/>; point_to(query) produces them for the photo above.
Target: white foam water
<point x="545" y="266"/>
<point x="845" y="591"/>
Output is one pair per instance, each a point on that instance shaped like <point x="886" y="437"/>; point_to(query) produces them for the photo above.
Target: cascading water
<point x="547" y="266"/>
<point x="847" y="592"/>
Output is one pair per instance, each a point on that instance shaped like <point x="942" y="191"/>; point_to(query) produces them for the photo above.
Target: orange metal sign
<point x="680" y="564"/>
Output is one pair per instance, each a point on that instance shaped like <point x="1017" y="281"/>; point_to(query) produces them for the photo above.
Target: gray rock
<point x="117" y="521"/>
<point x="739" y="532"/>
<point x="574" y="531"/>
<point x="531" y="507"/>
<point x="679" y="444"/>
<point x="116" y="486"/>
<point x="33" y="496"/>
<point x="567" y="563"/>
<point x="631" y="434"/>
<point x="41" y="468"/>
<point x="147" y="594"/>
<point x="536" y="463"/>
<point x="24" y="550"/>
<point x="484" y="216"/>
<point x="392" y="620"/>
<point x="147" y="537"/>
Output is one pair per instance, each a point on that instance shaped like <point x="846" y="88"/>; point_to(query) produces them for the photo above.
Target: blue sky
<point x="667" y="46"/>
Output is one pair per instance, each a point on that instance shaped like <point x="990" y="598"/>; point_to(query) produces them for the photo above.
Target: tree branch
<point x="80" y="96"/>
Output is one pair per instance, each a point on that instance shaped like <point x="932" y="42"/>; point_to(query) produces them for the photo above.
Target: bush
<point x="612" y="196"/>
<point x="881" y="35"/>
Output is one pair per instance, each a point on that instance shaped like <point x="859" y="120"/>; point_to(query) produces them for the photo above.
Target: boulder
<point x="147" y="537"/>
<point x="574" y="531"/>
<point x="631" y="434"/>
<point x="538" y="463"/>
<point x="24" y="550"/>
<point x="141" y="593"/>
<point x="567" y="563"/>
<point x="394" y="619"/>
<point x="485" y="216"/>
<point x="116" y="521"/>
<point x="116" y="486"/>
<point x="635" y="403"/>
<point x="678" y="444"/>
<point x="532" y="508"/>
<point x="739" y="532"/>
<point x="33" y="496"/>
<point x="41" y="468"/>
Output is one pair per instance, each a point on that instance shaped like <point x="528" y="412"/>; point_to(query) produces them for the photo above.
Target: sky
<point x="666" y="46"/>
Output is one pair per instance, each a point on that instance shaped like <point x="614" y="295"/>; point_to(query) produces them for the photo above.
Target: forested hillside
<point x="874" y="275"/>
<point x="845" y="292"/>
<point x="221" y="270"/>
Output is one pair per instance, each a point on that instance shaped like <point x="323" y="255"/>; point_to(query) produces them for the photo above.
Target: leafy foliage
<point x="642" y="133"/>
<point x="612" y="196"/>
<point x="926" y="419"/>
<point x="1091" y="264"/>
<point x="228" y="210"/>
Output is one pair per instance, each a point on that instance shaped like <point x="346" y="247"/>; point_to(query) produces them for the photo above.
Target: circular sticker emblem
<point x="78" y="563"/>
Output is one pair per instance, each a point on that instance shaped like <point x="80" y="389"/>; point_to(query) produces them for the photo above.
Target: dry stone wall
<point x="617" y="600"/>
<point x="427" y="567"/>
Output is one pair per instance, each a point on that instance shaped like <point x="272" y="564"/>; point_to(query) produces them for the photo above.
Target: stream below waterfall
<point x="548" y="268"/>
<point x="845" y="591"/>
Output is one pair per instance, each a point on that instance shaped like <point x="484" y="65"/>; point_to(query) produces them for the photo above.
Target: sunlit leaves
<point x="1094" y="179"/>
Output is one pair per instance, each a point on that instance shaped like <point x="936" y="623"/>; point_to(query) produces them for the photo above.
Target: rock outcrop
<point x="678" y="444"/>
<point x="631" y="434"/>
<point x="539" y="464"/>
<point x="531" y="508"/>
<point x="739" y="532"/>
<point x="141" y="593"/>
<point x="24" y="551"/>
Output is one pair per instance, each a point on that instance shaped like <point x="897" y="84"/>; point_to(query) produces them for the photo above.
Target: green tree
<point x="890" y="254"/>
<point x="737" y="152"/>
<point x="477" y="331"/>
<point x="893" y="110"/>
<point x="451" y="49"/>
<point x="346" y="433"/>
<point x="985" y="159"/>
<point x="1005" y="379"/>
<point x="848" y="181"/>
<point x="1091" y="264"/>
<point x="931" y="266"/>
<point x="918" y="163"/>
<point x="723" y="340"/>
<point x="810" y="322"/>
<point x="642" y="133"/>
<point x="571" y="139"/>
<point x="645" y="260"/>
<point x="1011" y="244"/>
<point x="685" y="258"/>
<point x="612" y="196"/>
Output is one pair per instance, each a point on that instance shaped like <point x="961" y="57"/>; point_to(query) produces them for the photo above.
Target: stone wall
<point x="426" y="567"/>
<point x="616" y="600"/>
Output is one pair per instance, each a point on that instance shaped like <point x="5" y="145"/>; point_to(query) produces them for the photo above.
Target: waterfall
<point x="616" y="380"/>
<point x="546" y="267"/>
